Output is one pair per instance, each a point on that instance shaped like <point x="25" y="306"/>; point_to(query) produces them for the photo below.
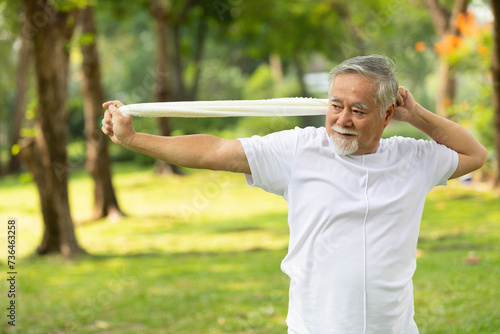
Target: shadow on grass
<point x="273" y="223"/>
<point x="178" y="255"/>
<point x="184" y="292"/>
<point x="269" y="257"/>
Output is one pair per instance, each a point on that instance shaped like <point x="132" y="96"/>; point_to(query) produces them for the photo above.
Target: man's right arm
<point x="471" y="154"/>
<point x="193" y="151"/>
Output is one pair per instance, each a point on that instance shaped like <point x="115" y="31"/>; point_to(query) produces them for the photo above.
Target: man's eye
<point x="336" y="107"/>
<point x="357" y="111"/>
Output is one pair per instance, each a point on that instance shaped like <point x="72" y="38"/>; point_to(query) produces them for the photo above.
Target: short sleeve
<point x="439" y="162"/>
<point x="271" y="160"/>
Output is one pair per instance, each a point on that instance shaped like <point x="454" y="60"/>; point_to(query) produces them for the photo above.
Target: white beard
<point x="344" y="146"/>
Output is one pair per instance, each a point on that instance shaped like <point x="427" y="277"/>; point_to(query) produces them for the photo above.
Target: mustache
<point x="344" y="131"/>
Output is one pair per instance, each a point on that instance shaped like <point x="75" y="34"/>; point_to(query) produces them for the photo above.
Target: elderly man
<point x="355" y="200"/>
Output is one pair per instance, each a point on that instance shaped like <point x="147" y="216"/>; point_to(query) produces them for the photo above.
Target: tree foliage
<point x="469" y="50"/>
<point x="470" y="53"/>
<point x="241" y="42"/>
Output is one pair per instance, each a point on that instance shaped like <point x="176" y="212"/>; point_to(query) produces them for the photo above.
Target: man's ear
<point x="388" y="114"/>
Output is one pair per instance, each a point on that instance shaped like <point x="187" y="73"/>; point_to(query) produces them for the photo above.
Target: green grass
<point x="201" y="254"/>
<point x="454" y="294"/>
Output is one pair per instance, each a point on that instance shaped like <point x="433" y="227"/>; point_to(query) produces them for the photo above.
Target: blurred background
<point x="111" y="241"/>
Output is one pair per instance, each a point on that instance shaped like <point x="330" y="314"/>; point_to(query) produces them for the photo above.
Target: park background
<point x="110" y="241"/>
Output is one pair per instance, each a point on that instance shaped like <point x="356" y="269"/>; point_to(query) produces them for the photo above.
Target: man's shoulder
<point x="405" y="142"/>
<point x="418" y="148"/>
<point x="309" y="132"/>
<point x="400" y="139"/>
<point x="399" y="142"/>
<point x="310" y="135"/>
<point x="288" y="139"/>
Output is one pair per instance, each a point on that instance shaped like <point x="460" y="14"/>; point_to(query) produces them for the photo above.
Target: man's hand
<point x="405" y="105"/>
<point x="117" y="126"/>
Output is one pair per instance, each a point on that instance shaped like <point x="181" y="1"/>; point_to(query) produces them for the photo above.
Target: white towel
<point x="295" y="106"/>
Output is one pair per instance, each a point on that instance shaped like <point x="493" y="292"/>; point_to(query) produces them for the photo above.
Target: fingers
<point x="400" y="100"/>
<point x="117" y="126"/>
<point x="107" y="124"/>
<point x="403" y="91"/>
<point x="116" y="114"/>
<point x="107" y="128"/>
<point x="106" y="131"/>
<point x="116" y="103"/>
<point x="113" y="109"/>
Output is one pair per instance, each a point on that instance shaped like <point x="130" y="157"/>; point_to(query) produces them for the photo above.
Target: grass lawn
<point x="201" y="254"/>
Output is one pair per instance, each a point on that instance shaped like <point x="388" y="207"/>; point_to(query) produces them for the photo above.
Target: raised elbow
<point x="483" y="156"/>
<point x="471" y="162"/>
<point x="479" y="159"/>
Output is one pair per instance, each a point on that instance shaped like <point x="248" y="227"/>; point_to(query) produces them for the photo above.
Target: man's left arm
<point x="471" y="154"/>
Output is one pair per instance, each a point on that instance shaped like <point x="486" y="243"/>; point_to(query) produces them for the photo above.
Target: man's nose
<point x="345" y="119"/>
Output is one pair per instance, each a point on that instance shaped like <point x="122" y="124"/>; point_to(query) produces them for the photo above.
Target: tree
<point x="22" y="83"/>
<point x="495" y="68"/>
<point x="50" y="30"/>
<point x="160" y="12"/>
<point x="14" y="57"/>
<point x="445" y="25"/>
<point x="344" y="12"/>
<point x="291" y="31"/>
<point x="98" y="162"/>
<point x="171" y="19"/>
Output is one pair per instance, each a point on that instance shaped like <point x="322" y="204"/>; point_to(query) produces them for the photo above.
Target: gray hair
<point x="378" y="68"/>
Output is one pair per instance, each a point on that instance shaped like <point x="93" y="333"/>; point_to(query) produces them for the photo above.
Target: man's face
<point x="353" y="120"/>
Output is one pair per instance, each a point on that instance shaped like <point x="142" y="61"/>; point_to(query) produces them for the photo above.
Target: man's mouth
<point x="344" y="133"/>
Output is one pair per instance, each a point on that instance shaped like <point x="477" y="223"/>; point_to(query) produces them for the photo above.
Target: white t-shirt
<point x="354" y="223"/>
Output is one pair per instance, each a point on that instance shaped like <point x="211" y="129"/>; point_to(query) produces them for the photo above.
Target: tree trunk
<point x="46" y="156"/>
<point x="179" y="78"/>
<point x="300" y="76"/>
<point x="162" y="92"/>
<point x="20" y="103"/>
<point x="495" y="67"/>
<point x="276" y="68"/>
<point x="446" y="88"/>
<point x="200" y="44"/>
<point x="98" y="162"/>
<point x="445" y="23"/>
<point x="176" y="21"/>
<point x="359" y="42"/>
<point x="304" y="120"/>
<point x="1" y="163"/>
